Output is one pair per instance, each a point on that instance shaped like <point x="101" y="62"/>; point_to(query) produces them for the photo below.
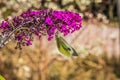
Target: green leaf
<point x="2" y="78"/>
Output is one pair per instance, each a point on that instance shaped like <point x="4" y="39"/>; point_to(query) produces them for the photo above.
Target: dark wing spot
<point x="69" y="49"/>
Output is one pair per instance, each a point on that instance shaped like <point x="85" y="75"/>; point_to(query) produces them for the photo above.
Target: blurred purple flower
<point x="41" y="22"/>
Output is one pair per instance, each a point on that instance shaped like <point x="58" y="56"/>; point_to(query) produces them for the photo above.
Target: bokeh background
<point x="97" y="44"/>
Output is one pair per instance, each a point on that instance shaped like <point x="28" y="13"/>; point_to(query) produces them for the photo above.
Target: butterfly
<point x="64" y="47"/>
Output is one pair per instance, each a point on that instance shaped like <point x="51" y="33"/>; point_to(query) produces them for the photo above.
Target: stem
<point x="15" y="30"/>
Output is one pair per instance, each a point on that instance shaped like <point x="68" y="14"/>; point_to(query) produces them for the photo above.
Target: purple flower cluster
<point x="40" y="22"/>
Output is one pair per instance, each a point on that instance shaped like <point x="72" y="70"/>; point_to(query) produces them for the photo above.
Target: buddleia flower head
<point x="40" y="23"/>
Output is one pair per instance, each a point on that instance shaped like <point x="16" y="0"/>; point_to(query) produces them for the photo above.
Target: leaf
<point x="2" y="78"/>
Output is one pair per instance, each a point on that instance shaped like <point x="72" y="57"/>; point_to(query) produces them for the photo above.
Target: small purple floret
<point x="28" y="42"/>
<point x="4" y="24"/>
<point x="49" y="21"/>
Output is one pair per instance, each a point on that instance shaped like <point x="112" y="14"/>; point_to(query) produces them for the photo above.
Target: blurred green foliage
<point x="2" y="78"/>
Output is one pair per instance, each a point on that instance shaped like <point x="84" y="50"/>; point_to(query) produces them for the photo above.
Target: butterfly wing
<point x="61" y="46"/>
<point x="64" y="47"/>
